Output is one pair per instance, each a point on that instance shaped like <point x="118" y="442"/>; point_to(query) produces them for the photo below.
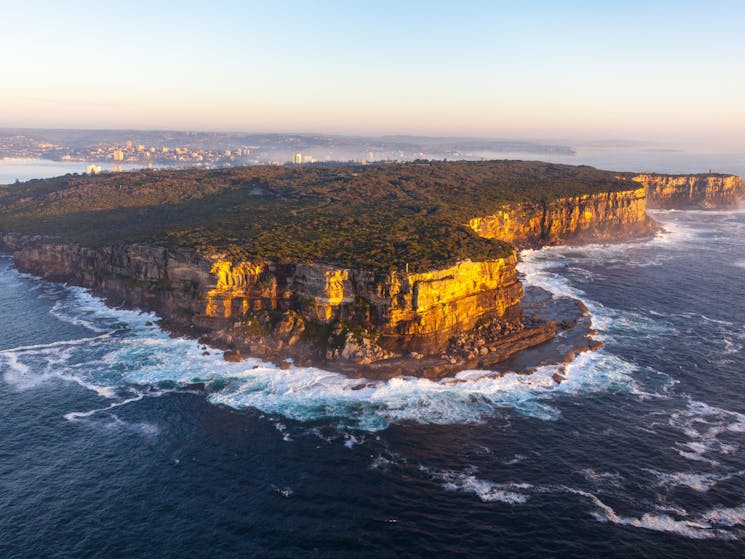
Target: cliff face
<point x="692" y="191"/>
<point x="410" y="311"/>
<point x="602" y="216"/>
<point x="358" y="314"/>
<point x="143" y="276"/>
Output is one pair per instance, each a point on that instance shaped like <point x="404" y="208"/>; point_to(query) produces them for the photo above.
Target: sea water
<point x="12" y="170"/>
<point x="118" y="440"/>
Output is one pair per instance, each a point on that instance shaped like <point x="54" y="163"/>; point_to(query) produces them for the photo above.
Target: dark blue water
<point x="119" y="441"/>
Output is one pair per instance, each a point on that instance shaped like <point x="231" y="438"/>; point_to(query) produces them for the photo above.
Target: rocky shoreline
<point x="518" y="342"/>
<point x="197" y="298"/>
<point x="490" y="345"/>
<point x="372" y="324"/>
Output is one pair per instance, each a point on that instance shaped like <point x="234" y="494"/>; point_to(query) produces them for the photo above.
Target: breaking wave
<point x="127" y="351"/>
<point x="688" y="488"/>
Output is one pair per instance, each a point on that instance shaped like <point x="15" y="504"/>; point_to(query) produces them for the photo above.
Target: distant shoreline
<point x="24" y="169"/>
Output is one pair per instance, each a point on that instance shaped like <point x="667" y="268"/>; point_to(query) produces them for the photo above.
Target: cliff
<point x="343" y="313"/>
<point x="137" y="275"/>
<point x="340" y="314"/>
<point x="343" y="266"/>
<point x="692" y="191"/>
<point x="593" y="217"/>
<point x="409" y="311"/>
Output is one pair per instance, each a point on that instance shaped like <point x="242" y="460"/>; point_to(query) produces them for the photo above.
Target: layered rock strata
<point x="276" y="306"/>
<point x="465" y="314"/>
<point x="594" y="217"/>
<point x="692" y="191"/>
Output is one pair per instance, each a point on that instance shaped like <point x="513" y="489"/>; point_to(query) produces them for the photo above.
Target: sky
<point x="645" y="70"/>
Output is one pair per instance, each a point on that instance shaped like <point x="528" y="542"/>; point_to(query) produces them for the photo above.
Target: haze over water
<point x="12" y="170"/>
<point x="616" y="156"/>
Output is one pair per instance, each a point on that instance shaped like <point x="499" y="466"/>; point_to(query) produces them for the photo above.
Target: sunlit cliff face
<point x="528" y="225"/>
<point x="405" y="306"/>
<point x="706" y="191"/>
<point x="409" y="311"/>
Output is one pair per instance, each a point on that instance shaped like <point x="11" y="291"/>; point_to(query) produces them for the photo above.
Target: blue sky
<point x="648" y="70"/>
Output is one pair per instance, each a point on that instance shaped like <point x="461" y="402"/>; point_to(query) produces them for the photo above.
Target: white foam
<point x="701" y="528"/>
<point x="702" y="424"/>
<point x="539" y="266"/>
<point x="727" y="516"/>
<point x="602" y="478"/>
<point x="715" y="523"/>
<point x="699" y="316"/>
<point x="18" y="373"/>
<point x="45" y="362"/>
<point x="516" y="459"/>
<point x="80" y="304"/>
<point x="282" y="428"/>
<point x="350" y="440"/>
<point x="114" y="423"/>
<point x="544" y="268"/>
<point x="701" y="482"/>
<point x="487" y="491"/>
<point x="284" y="491"/>
<point x="731" y="347"/>
<point x="679" y="511"/>
<point x="306" y="393"/>
<point x="384" y="461"/>
<point x="674" y="233"/>
<point x="75" y="415"/>
<point x="57" y="312"/>
<point x="77" y="341"/>
<point x="136" y="354"/>
<point x="103" y="391"/>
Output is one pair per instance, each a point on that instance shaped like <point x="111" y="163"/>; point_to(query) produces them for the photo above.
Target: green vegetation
<point x="376" y="217"/>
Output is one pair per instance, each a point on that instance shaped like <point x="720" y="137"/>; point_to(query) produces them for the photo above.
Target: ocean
<point x="117" y="440"/>
<point x="12" y="170"/>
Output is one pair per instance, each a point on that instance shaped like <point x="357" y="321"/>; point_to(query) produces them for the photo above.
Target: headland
<point x="374" y="271"/>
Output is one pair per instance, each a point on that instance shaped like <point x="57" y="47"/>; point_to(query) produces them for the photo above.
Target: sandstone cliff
<point x="692" y="191"/>
<point x="406" y="312"/>
<point x="593" y="217"/>
<point x="417" y="311"/>
<point x="272" y="309"/>
<point x="137" y="275"/>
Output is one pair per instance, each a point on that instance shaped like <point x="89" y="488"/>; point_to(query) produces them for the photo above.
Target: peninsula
<point x="406" y="268"/>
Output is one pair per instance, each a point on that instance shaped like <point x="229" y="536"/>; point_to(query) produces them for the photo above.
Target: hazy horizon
<point x="579" y="71"/>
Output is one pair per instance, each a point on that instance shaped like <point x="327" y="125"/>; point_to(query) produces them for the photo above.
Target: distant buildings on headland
<point x="129" y="152"/>
<point x="149" y="156"/>
<point x="211" y="150"/>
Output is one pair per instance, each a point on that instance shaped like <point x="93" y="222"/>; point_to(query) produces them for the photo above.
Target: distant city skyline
<point x="656" y="70"/>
